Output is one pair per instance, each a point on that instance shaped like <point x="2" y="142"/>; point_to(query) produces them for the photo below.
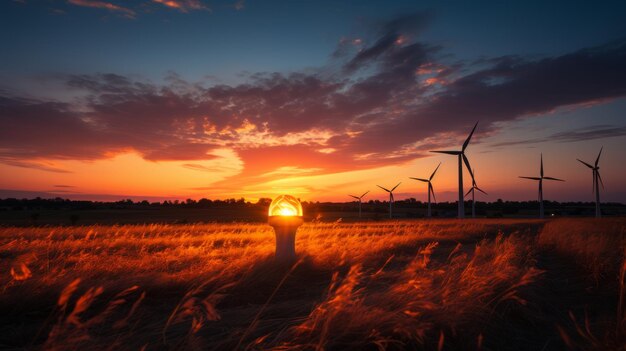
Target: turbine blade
<point x="391" y="198"/>
<point x="365" y="193"/>
<point x="467" y="164"/>
<point x="394" y="188"/>
<point x="448" y="152"/>
<point x="533" y="178"/>
<point x="600" y="179"/>
<point x="593" y="182"/>
<point x="585" y="163"/>
<point x="473" y="179"/>
<point x="385" y="189"/>
<point x="481" y="190"/>
<point x="550" y="178"/>
<point x="420" y="179"/>
<point x="469" y="137"/>
<point x="432" y="191"/>
<point x="435" y="171"/>
<point x="541" y="170"/>
<point x="356" y="197"/>
<point x="599" y="153"/>
<point x="469" y="192"/>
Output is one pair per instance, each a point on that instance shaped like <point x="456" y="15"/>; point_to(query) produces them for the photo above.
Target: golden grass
<point x="370" y="285"/>
<point x="594" y="244"/>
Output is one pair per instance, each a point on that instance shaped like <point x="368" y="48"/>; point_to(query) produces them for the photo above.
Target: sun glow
<point x="285" y="205"/>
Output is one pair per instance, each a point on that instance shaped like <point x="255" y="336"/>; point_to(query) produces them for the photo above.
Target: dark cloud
<point x="391" y="96"/>
<point x="390" y="40"/>
<point x="508" y="89"/>
<point x="580" y="134"/>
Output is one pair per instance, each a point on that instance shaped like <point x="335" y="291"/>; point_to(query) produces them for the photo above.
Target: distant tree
<point x="264" y="201"/>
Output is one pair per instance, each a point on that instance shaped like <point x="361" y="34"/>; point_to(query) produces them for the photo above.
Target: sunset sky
<point x="157" y="99"/>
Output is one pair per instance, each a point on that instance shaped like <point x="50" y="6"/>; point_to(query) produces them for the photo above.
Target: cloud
<point x="198" y="167"/>
<point x="377" y="108"/>
<point x="239" y="5"/>
<point x="290" y="171"/>
<point x="574" y="135"/>
<point x="183" y="5"/>
<point x="124" y="11"/>
<point x="41" y="166"/>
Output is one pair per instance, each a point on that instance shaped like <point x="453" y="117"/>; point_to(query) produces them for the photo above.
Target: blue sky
<point x="280" y="35"/>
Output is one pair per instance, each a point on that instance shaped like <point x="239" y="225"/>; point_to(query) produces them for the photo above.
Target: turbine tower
<point x="473" y="191"/>
<point x="540" y="179"/>
<point x="390" y="195"/>
<point x="430" y="187"/>
<point x="358" y="198"/>
<point x="462" y="158"/>
<point x="596" y="179"/>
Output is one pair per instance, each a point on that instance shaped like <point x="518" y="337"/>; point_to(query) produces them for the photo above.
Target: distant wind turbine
<point x="596" y="179"/>
<point x="462" y="158"/>
<point x="390" y="195"/>
<point x="540" y="179"/>
<point x="430" y="187"/>
<point x="358" y="198"/>
<point x="473" y="191"/>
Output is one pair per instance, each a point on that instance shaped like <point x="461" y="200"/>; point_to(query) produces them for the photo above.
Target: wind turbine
<point x="430" y="187"/>
<point x="390" y="195"/>
<point x="596" y="179"/>
<point x="473" y="191"/>
<point x="462" y="158"/>
<point x="359" y="200"/>
<point x="540" y="179"/>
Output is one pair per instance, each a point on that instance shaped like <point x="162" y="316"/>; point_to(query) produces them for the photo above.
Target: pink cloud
<point x="126" y="12"/>
<point x="183" y="5"/>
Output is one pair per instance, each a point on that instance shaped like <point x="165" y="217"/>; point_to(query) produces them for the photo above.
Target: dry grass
<point x="441" y="284"/>
<point x="594" y="244"/>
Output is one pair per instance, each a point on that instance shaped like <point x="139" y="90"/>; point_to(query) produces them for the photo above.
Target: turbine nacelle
<point x="461" y="155"/>
<point x="431" y="190"/>
<point x="391" y="199"/>
<point x="596" y="169"/>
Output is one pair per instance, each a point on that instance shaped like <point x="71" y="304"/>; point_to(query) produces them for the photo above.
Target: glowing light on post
<point x="285" y="205"/>
<point x="285" y="216"/>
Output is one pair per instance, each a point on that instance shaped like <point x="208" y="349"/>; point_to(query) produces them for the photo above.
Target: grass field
<point x="434" y="285"/>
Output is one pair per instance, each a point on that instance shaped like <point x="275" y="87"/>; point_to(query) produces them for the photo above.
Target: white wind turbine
<point x="597" y="179"/>
<point x="540" y="179"/>
<point x="473" y="191"/>
<point x="358" y="198"/>
<point x="430" y="187"/>
<point x="390" y="195"/>
<point x="462" y="158"/>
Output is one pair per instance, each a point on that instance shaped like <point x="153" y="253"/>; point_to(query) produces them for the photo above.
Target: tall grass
<point x="440" y="284"/>
<point x="596" y="245"/>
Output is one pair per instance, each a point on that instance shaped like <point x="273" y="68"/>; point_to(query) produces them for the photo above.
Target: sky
<point x="177" y="99"/>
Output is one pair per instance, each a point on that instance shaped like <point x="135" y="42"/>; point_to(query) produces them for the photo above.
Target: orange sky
<point x="312" y="177"/>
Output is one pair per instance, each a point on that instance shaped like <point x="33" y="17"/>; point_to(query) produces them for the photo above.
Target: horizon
<point x="112" y="199"/>
<point x="246" y="99"/>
